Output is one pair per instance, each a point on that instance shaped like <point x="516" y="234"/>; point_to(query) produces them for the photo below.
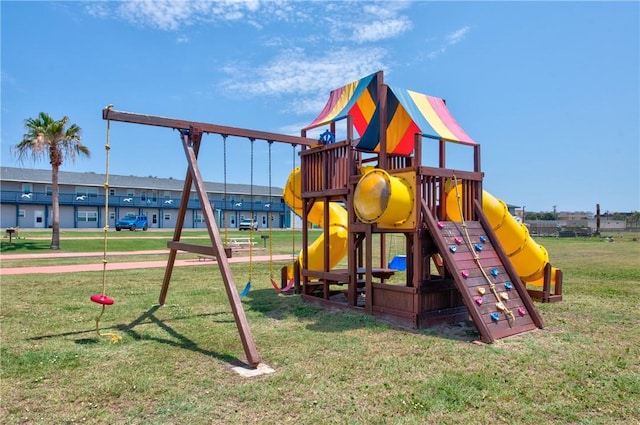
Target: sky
<point x="550" y="90"/>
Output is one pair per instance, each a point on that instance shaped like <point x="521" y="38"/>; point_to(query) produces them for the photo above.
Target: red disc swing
<point x="101" y="299"/>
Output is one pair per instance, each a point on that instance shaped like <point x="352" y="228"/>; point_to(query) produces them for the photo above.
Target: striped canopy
<point x="408" y="113"/>
<point x="358" y="99"/>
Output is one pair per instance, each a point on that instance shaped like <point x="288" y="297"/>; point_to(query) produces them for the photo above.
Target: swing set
<point x="191" y="138"/>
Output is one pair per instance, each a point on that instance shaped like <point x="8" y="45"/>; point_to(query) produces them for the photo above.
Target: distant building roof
<point x="32" y="175"/>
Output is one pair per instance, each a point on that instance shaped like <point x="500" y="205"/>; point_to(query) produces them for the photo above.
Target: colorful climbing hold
<point x="483" y="238"/>
<point x="504" y="296"/>
<point x="440" y="225"/>
<point x="508" y="286"/>
<point x="500" y="306"/>
<point x="453" y="248"/>
<point x="495" y="317"/>
<point x="458" y="240"/>
<point x="481" y="290"/>
<point x="494" y="272"/>
<point x="522" y="311"/>
<point x="478" y="247"/>
<point x="465" y="273"/>
<point x="478" y="300"/>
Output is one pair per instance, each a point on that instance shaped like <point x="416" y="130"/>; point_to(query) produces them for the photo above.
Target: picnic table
<point x="240" y="242"/>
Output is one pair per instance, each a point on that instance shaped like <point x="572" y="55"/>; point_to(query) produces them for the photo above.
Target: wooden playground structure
<point x="455" y="268"/>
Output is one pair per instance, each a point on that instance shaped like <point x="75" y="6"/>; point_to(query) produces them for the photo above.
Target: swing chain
<point x="269" y="218"/>
<point x="224" y="218"/>
<point x="251" y="211"/>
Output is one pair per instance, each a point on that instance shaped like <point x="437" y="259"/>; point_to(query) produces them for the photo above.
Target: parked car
<point x="247" y="224"/>
<point x="133" y="222"/>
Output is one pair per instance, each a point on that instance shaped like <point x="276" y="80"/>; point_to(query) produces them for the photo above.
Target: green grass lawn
<point x="93" y="241"/>
<point x="173" y="365"/>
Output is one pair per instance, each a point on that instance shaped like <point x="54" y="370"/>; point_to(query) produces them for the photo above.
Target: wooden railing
<point x="435" y="182"/>
<point x="326" y="169"/>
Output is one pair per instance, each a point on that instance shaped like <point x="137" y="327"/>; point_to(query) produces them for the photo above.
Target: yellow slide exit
<point x="528" y="258"/>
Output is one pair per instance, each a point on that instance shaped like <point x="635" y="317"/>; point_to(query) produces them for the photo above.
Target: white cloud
<point x="368" y="21"/>
<point x="450" y="39"/>
<point x="98" y="8"/>
<point x="171" y="15"/>
<point x="457" y="36"/>
<point x="163" y="14"/>
<point x="381" y="30"/>
<point x="7" y="78"/>
<point x="308" y="65"/>
<point x="309" y="77"/>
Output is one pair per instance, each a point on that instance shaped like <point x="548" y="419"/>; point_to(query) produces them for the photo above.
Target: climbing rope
<point x="499" y="304"/>
<point x="102" y="298"/>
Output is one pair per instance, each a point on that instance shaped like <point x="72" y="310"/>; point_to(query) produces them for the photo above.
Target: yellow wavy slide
<point x="528" y="258"/>
<point x="338" y="220"/>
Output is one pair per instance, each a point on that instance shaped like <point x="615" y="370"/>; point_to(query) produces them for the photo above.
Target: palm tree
<point x="46" y="137"/>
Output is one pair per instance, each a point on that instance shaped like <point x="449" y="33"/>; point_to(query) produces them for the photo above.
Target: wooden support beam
<point x="113" y="115"/>
<point x="190" y="247"/>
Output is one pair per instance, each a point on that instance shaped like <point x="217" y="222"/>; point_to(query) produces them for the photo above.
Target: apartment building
<point x="25" y="201"/>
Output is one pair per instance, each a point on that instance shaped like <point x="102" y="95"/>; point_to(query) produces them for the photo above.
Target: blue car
<point x="133" y="222"/>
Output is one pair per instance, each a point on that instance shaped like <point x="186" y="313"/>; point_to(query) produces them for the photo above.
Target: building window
<point x="27" y="188"/>
<point x="167" y="216"/>
<point x="131" y="193"/>
<point x="86" y="191"/>
<point x="167" y="194"/>
<point x="112" y="192"/>
<point x="198" y="217"/>
<point x="87" y="216"/>
<point x="112" y="215"/>
<point x="22" y="213"/>
<point x="48" y="190"/>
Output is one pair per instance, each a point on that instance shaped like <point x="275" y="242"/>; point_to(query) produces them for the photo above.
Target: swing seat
<point x="399" y="263"/>
<point x="101" y="299"/>
<point x="246" y="290"/>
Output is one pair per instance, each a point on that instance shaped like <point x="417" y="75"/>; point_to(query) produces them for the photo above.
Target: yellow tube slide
<point x="338" y="220"/>
<point x="528" y="258"/>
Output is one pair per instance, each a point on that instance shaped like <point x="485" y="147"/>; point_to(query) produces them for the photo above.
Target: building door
<point x="154" y="220"/>
<point x="38" y="220"/>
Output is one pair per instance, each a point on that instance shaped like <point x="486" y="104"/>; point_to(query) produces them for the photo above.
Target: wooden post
<point x="250" y="350"/>
<point x="182" y="212"/>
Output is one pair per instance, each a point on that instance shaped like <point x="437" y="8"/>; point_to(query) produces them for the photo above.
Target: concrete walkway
<point x="53" y="254"/>
<point x="98" y="266"/>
